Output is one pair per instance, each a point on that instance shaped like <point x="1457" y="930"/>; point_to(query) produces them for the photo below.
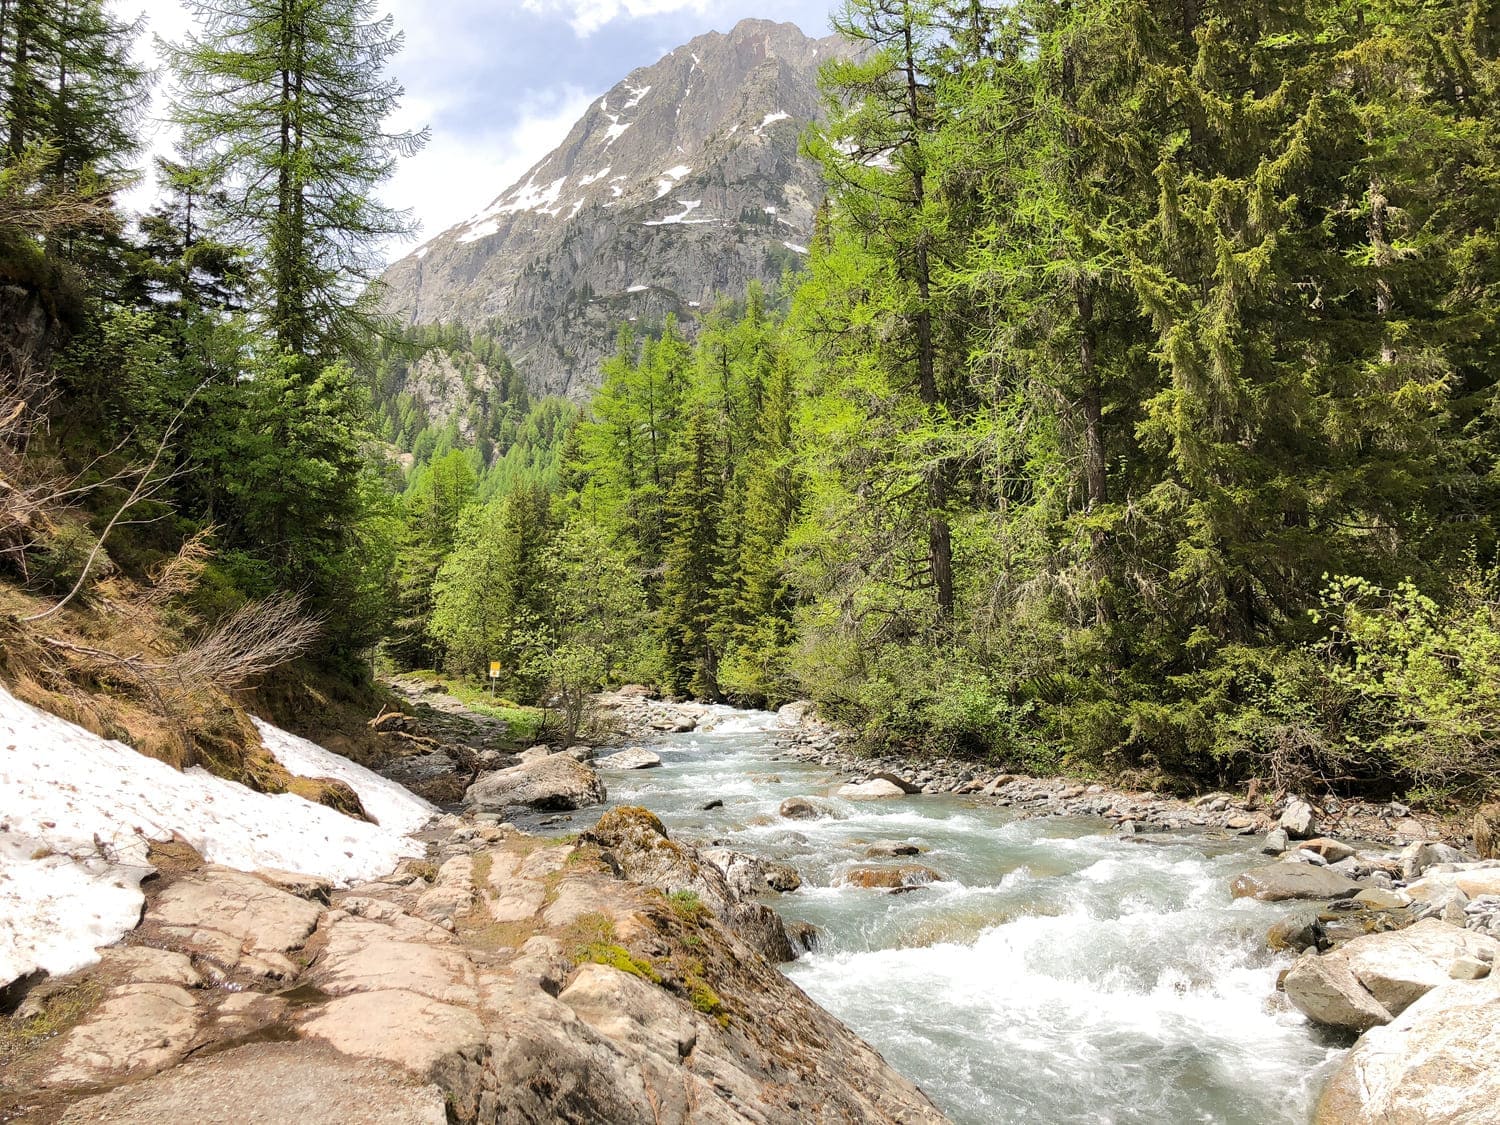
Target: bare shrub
<point x="257" y="637"/>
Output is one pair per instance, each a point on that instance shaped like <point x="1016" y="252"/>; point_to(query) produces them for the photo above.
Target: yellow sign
<point x="494" y="669"/>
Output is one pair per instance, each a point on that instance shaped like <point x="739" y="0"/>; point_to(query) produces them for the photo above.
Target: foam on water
<point x="1057" y="973"/>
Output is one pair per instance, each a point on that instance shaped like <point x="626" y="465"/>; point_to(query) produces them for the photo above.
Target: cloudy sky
<point x="499" y="82"/>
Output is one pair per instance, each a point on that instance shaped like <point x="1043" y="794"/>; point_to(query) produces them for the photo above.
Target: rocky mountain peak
<point x="682" y="182"/>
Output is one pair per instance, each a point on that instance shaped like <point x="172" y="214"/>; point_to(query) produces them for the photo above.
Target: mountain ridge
<point x="682" y="183"/>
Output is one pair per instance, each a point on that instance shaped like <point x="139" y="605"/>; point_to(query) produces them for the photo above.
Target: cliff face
<point x="683" y="182"/>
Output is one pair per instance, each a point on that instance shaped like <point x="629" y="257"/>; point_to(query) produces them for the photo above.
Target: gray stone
<point x="1297" y="819"/>
<point x="555" y="783"/>
<point x="1326" y="991"/>
<point x="1277" y="842"/>
<point x="1418" y="857"/>
<point x="1278" y="881"/>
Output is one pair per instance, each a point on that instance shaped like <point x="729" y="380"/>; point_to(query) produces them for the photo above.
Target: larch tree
<point x="289" y="100"/>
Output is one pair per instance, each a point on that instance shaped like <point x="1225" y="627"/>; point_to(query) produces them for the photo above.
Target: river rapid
<point x="1058" y="973"/>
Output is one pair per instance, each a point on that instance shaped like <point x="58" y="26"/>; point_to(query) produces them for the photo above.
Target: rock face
<point x="1434" y="1065"/>
<point x="636" y="844"/>
<point x="1278" y="881"/>
<point x="551" y="783"/>
<point x="1371" y="979"/>
<point x="683" y="182"/>
<point x="558" y="992"/>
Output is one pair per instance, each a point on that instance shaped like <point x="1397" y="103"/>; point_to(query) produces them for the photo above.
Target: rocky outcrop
<point x="684" y="182"/>
<point x="551" y="783"/>
<point x="635" y="843"/>
<point x="1369" y="980"/>
<point x="1433" y="1065"/>
<point x="550" y="989"/>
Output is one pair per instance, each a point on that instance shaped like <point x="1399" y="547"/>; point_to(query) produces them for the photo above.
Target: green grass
<point x="525" y="723"/>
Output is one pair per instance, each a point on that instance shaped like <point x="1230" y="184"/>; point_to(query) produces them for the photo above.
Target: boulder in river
<point x="1353" y="984"/>
<point x="891" y="878"/>
<point x="1277" y="841"/>
<point x="1434" y="1064"/>
<point x="633" y="758"/>
<point x="897" y="780"/>
<point x="1278" y="881"/>
<point x="555" y="783"/>
<point x="890" y="848"/>
<point x="877" y="789"/>
<point x="800" y="808"/>
<point x="1297" y="819"/>
<point x="749" y="875"/>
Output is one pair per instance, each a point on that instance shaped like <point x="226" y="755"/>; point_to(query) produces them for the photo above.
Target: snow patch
<point x="638" y="288"/>
<point x="80" y="813"/>
<point x="480" y="230"/>
<point x="792" y="246"/>
<point x="771" y="119"/>
<point x="636" y="95"/>
<point x="688" y="207"/>
<point x="669" y="179"/>
<point x="589" y="180"/>
<point x="422" y="251"/>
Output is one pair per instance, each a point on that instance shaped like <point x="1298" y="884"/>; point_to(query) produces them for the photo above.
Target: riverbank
<point x="491" y="975"/>
<point x="1396" y="936"/>
<point x="807" y="738"/>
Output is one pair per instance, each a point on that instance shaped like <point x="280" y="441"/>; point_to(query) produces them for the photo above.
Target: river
<point x="1058" y="973"/>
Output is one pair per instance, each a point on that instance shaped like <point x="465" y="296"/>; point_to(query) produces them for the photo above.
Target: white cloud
<point x="588" y="16"/>
<point x="455" y="176"/>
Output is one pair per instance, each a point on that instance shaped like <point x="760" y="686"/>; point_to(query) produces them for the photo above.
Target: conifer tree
<point x="290" y="99"/>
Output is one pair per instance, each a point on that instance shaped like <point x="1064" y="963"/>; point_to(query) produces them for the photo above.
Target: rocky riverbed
<point x="505" y="977"/>
<point x="1394" y="928"/>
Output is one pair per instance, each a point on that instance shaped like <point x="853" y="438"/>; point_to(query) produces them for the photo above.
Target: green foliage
<point x="286" y="101"/>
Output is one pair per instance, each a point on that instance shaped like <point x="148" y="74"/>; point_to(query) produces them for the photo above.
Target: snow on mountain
<point x="682" y="183"/>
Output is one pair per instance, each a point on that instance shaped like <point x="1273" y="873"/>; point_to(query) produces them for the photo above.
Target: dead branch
<point x="254" y="639"/>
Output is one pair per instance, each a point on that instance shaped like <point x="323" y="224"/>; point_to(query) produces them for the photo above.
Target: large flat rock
<point x="1276" y="882"/>
<point x="555" y="783"/>
<point x="234" y="921"/>
<point x="269" y="1084"/>
<point x="1435" y="1064"/>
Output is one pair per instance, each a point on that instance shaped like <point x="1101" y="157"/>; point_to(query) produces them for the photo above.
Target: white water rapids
<point x="1058" y="974"/>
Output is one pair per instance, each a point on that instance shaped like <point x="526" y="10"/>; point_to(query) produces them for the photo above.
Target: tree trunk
<point x="939" y="535"/>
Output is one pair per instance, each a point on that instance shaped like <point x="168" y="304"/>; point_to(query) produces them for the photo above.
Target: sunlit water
<point x="1058" y="973"/>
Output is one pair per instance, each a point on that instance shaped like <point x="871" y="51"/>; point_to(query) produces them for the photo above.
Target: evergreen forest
<point x="1134" y="414"/>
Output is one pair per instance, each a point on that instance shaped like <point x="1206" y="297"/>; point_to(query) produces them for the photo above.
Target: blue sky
<point x="499" y="82"/>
